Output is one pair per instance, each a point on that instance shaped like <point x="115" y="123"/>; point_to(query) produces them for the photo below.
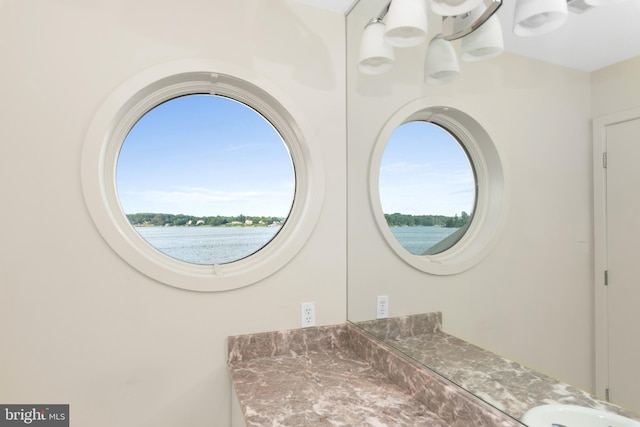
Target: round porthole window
<point x="205" y="179"/>
<point x="427" y="187"/>
<point x="436" y="188"/>
<point x="200" y="180"/>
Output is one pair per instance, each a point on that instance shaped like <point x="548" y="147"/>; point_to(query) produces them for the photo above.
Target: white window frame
<point x="107" y="132"/>
<point x="488" y="215"/>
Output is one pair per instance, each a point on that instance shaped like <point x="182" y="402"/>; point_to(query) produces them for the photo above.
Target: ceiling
<point x="334" y="5"/>
<point x="594" y="39"/>
<point x="598" y="37"/>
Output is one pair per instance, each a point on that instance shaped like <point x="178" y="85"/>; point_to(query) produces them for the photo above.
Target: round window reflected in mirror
<point x="427" y="187"/>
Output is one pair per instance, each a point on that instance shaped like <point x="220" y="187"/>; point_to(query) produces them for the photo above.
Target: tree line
<point x="405" y="220"/>
<point x="148" y="219"/>
<point x="160" y="220"/>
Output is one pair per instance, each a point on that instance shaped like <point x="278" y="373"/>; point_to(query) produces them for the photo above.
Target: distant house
<point x="248" y="222"/>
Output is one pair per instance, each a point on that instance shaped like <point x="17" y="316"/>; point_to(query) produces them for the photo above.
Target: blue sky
<point x="205" y="155"/>
<point x="423" y="171"/>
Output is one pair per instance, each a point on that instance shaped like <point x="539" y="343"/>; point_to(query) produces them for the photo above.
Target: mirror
<point x="528" y="292"/>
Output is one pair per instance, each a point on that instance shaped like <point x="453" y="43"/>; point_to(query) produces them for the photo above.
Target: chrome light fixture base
<point x="455" y="27"/>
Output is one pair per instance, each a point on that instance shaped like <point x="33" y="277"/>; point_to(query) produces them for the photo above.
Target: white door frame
<point x="601" y="338"/>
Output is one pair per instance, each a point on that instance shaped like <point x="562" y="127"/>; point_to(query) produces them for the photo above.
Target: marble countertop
<point x="340" y="376"/>
<point x="503" y="383"/>
<point x="330" y="387"/>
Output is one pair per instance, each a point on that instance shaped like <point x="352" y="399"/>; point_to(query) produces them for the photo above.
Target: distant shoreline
<point x="151" y="219"/>
<point x="207" y="225"/>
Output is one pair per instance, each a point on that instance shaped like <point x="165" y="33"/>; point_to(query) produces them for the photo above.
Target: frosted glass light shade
<point x="535" y="17"/>
<point x="453" y="7"/>
<point x="484" y="43"/>
<point x="376" y="55"/>
<point x="441" y="63"/>
<point x="406" y="23"/>
<point x="602" y="2"/>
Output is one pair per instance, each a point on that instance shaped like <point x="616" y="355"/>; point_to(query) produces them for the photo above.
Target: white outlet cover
<point x="382" y="307"/>
<point x="308" y="314"/>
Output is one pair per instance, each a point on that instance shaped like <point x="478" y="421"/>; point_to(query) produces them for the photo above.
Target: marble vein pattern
<point x="311" y="377"/>
<point x="503" y="383"/>
<point x="403" y="326"/>
<point x="342" y="376"/>
<point x="453" y="404"/>
<point x="294" y="342"/>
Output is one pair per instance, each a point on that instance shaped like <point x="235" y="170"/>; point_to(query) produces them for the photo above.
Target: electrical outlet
<point x="308" y="314"/>
<point x="382" y="307"/>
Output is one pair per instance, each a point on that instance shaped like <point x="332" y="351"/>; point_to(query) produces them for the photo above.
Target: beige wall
<point x="531" y="298"/>
<point x="616" y="88"/>
<point x="79" y="325"/>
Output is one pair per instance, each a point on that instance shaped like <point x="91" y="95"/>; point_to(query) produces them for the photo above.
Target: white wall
<point x="616" y="88"/>
<point x="531" y="298"/>
<point x="79" y="325"/>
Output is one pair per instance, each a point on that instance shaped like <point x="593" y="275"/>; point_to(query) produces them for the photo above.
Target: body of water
<point x="220" y="245"/>
<point x="418" y="239"/>
<point x="208" y="245"/>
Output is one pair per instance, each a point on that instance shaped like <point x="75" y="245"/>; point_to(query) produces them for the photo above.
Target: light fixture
<point x="441" y="63"/>
<point x="484" y="43"/>
<point x="403" y="23"/>
<point x="376" y="54"/>
<point x="455" y="27"/>
<point x="453" y="7"/>
<point x="406" y="23"/>
<point x="535" y="17"/>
